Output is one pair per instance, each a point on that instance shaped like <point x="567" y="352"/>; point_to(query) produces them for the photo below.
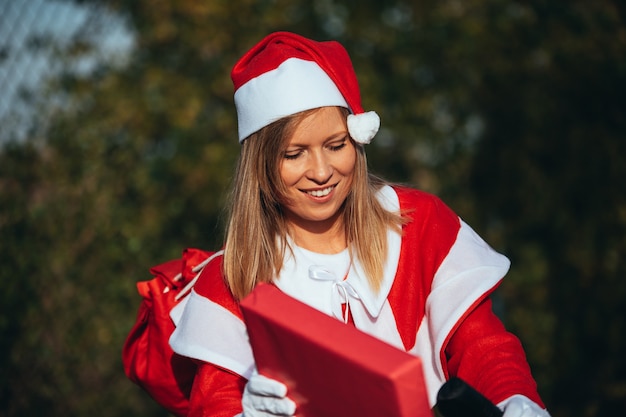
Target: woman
<point x="305" y="215"/>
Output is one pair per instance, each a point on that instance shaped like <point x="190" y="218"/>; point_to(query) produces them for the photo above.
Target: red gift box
<point x="331" y="369"/>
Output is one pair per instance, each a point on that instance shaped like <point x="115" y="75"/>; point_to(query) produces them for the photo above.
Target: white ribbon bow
<point x="342" y="290"/>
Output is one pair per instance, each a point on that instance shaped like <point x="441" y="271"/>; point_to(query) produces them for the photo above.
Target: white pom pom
<point x="363" y="127"/>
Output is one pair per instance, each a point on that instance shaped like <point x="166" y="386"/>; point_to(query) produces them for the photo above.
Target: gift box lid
<point x="331" y="368"/>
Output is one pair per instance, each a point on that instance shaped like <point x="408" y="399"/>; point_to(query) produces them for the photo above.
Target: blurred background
<point x="118" y="139"/>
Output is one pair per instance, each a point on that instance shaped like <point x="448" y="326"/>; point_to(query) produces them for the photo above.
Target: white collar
<point x="327" y="293"/>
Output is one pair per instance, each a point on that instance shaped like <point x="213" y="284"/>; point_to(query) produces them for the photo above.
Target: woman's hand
<point x="520" y="406"/>
<point x="265" y="397"/>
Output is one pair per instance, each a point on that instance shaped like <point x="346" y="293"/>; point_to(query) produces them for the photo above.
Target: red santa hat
<point x="286" y="73"/>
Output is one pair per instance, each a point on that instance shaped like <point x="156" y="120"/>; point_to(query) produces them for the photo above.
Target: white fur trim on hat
<point x="294" y="86"/>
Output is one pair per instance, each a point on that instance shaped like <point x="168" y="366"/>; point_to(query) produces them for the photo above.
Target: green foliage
<point x="548" y="171"/>
<point x="513" y="112"/>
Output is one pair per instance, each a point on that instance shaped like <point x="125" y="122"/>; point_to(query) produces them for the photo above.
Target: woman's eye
<point x="338" y="146"/>
<point x="292" y="155"/>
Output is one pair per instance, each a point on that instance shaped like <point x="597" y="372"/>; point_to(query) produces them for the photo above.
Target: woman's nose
<point x="320" y="169"/>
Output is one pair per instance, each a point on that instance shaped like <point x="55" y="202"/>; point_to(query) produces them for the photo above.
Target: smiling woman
<point x="317" y="171"/>
<point x="412" y="273"/>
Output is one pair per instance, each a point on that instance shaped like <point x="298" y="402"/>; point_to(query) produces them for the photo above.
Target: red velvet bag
<point x="147" y="356"/>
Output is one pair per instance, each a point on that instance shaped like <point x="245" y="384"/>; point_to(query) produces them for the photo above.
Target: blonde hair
<point x="256" y="233"/>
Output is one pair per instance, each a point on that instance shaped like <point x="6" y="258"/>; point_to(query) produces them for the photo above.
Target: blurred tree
<point x="513" y="112"/>
<point x="550" y="171"/>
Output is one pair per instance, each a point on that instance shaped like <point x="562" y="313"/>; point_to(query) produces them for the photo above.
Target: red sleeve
<point x="482" y="353"/>
<point x="216" y="392"/>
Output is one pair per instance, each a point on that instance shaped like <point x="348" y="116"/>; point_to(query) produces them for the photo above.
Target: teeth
<point x="321" y="193"/>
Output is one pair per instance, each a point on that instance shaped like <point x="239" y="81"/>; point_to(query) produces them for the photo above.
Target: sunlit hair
<point x="256" y="234"/>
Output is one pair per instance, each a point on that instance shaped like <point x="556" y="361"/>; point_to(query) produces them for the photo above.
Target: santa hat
<point x="286" y="73"/>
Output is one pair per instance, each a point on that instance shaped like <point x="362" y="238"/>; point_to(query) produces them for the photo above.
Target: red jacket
<point x="437" y="299"/>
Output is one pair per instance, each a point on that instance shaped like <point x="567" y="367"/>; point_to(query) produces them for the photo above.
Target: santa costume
<point x="434" y="298"/>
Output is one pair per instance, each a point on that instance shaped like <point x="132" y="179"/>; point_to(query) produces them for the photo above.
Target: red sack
<point x="147" y="356"/>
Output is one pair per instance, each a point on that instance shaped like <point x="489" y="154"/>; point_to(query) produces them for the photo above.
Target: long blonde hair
<point x="256" y="233"/>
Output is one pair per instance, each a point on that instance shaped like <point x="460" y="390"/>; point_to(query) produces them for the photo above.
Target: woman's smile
<point x="320" y="192"/>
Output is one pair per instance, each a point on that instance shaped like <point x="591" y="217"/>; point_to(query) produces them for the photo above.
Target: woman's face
<point x="317" y="169"/>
